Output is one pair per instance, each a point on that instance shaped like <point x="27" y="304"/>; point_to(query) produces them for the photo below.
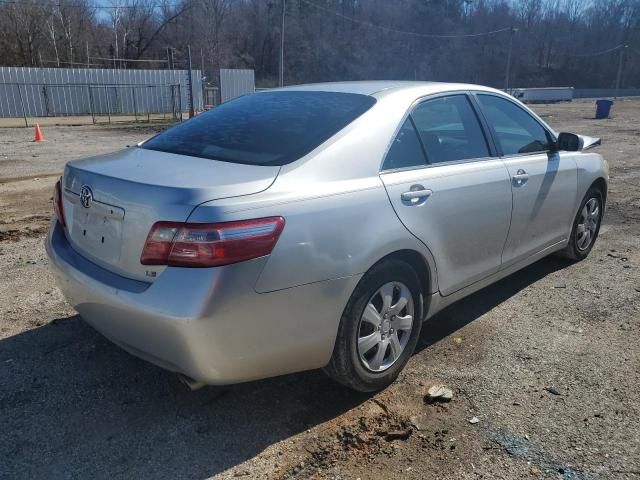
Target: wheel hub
<point x="386" y="326"/>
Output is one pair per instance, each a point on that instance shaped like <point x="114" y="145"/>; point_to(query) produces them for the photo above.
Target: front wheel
<point x="379" y="328"/>
<point x="586" y="226"/>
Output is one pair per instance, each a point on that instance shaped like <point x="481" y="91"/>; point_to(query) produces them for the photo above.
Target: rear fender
<point x="324" y="238"/>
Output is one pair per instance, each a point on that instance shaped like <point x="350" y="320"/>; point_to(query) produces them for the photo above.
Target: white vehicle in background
<point x="543" y="95"/>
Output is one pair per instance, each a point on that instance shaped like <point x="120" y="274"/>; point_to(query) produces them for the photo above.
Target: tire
<point x="358" y="361"/>
<point x="576" y="249"/>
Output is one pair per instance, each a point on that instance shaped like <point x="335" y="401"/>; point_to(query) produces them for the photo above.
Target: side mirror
<point x="570" y="142"/>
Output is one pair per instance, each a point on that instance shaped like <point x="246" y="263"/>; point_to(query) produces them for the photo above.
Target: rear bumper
<point x="207" y="323"/>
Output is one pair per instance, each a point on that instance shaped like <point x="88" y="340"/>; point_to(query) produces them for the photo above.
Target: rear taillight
<point x="57" y="203"/>
<point x="210" y="244"/>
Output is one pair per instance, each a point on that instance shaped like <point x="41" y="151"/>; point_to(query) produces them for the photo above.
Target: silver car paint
<point x="465" y="220"/>
<point x="279" y="314"/>
<point x="543" y="206"/>
<point x="207" y="323"/>
<point x="149" y="187"/>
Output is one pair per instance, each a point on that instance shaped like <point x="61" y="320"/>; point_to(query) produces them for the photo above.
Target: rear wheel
<point x="379" y="328"/>
<point x="586" y="226"/>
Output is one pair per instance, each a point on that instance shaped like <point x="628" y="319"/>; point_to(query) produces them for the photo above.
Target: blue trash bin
<point x="603" y="108"/>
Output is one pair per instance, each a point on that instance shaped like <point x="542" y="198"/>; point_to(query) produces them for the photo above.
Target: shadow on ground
<point x="73" y="405"/>
<point x="474" y="306"/>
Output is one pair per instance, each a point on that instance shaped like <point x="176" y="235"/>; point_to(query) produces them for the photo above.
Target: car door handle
<point x="520" y="178"/>
<point x="413" y="196"/>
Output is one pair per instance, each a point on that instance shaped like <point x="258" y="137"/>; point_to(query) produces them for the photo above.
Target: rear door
<point x="544" y="183"/>
<point x="448" y="190"/>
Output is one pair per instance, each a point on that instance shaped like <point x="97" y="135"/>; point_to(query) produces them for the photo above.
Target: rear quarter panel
<point x="325" y="237"/>
<point x="339" y="220"/>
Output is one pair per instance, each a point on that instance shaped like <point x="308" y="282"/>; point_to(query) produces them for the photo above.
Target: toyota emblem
<point x="86" y="196"/>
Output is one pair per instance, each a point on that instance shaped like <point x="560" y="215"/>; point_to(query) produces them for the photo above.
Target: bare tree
<point x="559" y="42"/>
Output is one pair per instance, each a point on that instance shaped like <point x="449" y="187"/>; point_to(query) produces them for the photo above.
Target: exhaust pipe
<point x="190" y="383"/>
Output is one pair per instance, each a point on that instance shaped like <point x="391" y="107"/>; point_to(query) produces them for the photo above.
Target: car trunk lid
<point x="111" y="201"/>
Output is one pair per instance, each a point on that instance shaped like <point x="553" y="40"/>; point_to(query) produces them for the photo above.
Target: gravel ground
<point x="547" y="360"/>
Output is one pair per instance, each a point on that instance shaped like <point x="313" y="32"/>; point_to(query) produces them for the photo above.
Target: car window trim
<point x="441" y="164"/>
<point x="493" y="151"/>
<point x="415" y="129"/>
<point x="551" y="136"/>
<point x="396" y="132"/>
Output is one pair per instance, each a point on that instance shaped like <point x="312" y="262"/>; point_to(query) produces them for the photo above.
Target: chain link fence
<point x="101" y="102"/>
<point x="101" y="95"/>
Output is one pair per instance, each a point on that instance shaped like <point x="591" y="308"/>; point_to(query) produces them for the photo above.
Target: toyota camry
<point x="317" y="226"/>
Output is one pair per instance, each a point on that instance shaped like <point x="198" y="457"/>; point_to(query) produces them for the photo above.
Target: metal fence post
<point x="93" y="116"/>
<point x="174" y="113"/>
<point x="46" y="100"/>
<point x="24" y="112"/>
<point x="108" y="104"/>
<point x="135" y="105"/>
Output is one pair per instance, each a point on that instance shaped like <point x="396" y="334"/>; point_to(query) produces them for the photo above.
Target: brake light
<point x="57" y="203"/>
<point x="210" y="244"/>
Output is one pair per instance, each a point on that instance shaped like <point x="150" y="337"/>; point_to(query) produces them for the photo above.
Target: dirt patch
<point x="21" y="157"/>
<point x="26" y="206"/>
<point x="371" y="435"/>
<point x="28" y="170"/>
<point x="27" y="177"/>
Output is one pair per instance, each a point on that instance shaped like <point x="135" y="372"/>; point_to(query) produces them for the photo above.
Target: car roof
<point x="380" y="87"/>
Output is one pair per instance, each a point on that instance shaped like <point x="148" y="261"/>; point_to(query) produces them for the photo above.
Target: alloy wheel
<point x="588" y="224"/>
<point x="385" y="326"/>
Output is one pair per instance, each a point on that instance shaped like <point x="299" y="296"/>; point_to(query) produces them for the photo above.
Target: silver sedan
<point x="317" y="226"/>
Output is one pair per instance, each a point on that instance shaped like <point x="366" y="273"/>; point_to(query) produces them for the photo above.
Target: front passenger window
<point x="517" y="132"/>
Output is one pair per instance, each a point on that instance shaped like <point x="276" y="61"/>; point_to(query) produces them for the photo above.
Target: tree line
<point x="576" y="43"/>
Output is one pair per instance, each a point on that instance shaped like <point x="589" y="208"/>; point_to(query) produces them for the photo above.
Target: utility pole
<point x="284" y="7"/>
<point x="203" y="79"/>
<point x="620" y="64"/>
<point x="170" y="58"/>
<point x="512" y="32"/>
<point x="202" y="63"/>
<point x="116" y="16"/>
<point x="190" y="86"/>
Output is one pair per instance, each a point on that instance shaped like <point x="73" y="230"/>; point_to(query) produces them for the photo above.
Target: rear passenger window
<point x="517" y="131"/>
<point x="405" y="151"/>
<point x="449" y="129"/>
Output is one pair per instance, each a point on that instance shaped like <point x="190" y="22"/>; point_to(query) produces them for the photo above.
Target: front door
<point x="544" y="183"/>
<point x="448" y="191"/>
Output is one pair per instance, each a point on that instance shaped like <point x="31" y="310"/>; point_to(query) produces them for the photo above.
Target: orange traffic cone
<point x="39" y="137"/>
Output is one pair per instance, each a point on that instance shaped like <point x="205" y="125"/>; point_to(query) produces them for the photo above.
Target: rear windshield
<point x="268" y="128"/>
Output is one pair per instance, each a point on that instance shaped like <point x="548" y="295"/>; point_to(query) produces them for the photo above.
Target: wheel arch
<point x="601" y="184"/>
